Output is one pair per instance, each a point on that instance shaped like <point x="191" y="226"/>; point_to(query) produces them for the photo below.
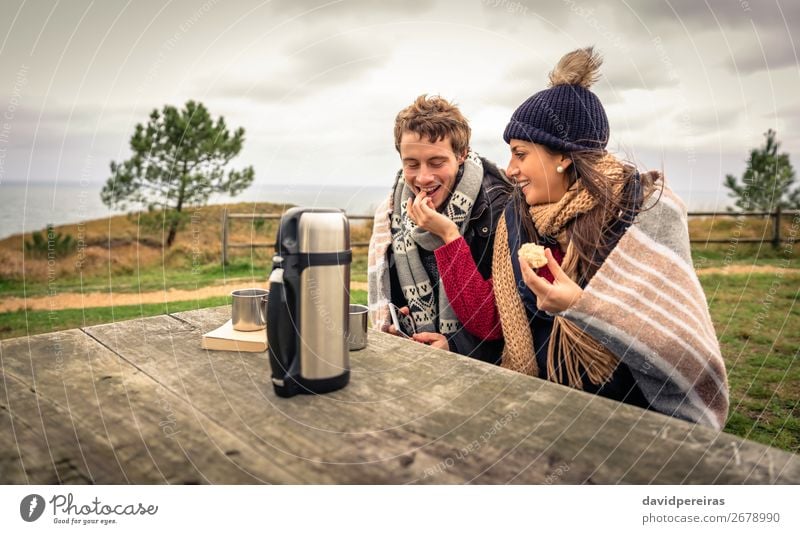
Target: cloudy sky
<point x="689" y="86"/>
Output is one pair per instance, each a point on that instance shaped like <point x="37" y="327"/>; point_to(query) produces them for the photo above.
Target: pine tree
<point x="179" y="159"/>
<point x="767" y="181"/>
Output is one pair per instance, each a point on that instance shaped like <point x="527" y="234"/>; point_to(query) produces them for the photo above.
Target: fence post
<point x="776" y="228"/>
<point x="225" y="236"/>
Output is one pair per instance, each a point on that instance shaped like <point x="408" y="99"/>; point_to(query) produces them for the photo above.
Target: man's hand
<point x="555" y="297"/>
<point x="421" y="211"/>
<point x="432" y="339"/>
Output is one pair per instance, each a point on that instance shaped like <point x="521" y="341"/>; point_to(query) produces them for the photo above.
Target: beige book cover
<point x="226" y="338"/>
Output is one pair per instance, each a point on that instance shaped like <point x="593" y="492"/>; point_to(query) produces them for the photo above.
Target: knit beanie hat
<point x="566" y="117"/>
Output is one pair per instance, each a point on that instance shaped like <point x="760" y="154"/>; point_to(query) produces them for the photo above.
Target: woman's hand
<point x="421" y="211"/>
<point x="433" y="339"/>
<point x="555" y="297"/>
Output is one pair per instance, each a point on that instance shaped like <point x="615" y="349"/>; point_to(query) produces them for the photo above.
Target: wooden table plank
<point x="234" y="390"/>
<point x="472" y="414"/>
<point x="77" y="406"/>
<point x="382" y="403"/>
<point x="41" y="445"/>
<point x="410" y="414"/>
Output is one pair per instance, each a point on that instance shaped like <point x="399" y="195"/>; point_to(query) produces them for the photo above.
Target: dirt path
<point x="62" y="301"/>
<point x="744" y="269"/>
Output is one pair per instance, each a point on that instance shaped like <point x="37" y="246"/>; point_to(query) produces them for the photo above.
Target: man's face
<point x="429" y="167"/>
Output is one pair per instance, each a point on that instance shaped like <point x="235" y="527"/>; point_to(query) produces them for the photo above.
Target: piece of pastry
<point x="533" y="254"/>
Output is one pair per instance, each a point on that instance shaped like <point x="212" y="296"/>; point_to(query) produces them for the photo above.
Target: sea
<point x="27" y="207"/>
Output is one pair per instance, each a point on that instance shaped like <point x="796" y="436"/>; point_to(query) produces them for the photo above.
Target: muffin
<point x="533" y="254"/>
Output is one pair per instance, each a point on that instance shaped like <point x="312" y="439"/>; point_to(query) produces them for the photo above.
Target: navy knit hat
<point x="567" y="117"/>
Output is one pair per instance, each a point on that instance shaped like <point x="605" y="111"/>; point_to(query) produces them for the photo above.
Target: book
<point x="226" y="338"/>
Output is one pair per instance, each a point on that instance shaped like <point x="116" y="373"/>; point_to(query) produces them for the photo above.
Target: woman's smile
<point x="522" y="184"/>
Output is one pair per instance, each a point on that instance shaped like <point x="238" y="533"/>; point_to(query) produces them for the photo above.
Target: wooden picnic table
<point x="140" y="402"/>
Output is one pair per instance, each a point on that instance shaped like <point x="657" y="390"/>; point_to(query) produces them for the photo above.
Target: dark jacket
<point x="479" y="235"/>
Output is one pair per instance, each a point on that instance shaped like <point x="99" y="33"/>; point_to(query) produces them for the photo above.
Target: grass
<point x="22" y="323"/>
<point x="157" y="277"/>
<point x="711" y="255"/>
<point x="123" y="253"/>
<point x="149" y="278"/>
<point x="757" y="320"/>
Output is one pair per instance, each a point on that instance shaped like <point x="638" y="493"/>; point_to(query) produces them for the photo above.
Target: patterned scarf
<point x="407" y="237"/>
<point x="577" y="352"/>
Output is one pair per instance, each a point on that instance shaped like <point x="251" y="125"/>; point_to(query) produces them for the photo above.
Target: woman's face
<point x="534" y="170"/>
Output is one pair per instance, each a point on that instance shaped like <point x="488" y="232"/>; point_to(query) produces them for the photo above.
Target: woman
<point x="618" y="310"/>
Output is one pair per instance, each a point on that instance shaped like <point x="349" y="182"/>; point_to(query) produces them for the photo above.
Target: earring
<point x="559" y="169"/>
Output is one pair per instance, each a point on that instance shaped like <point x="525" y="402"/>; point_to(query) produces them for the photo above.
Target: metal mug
<point x="357" y="333"/>
<point x="249" y="309"/>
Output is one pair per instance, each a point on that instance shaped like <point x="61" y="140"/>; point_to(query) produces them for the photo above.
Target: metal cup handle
<point x="262" y="309"/>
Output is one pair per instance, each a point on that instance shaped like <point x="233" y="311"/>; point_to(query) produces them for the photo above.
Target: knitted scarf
<point x="571" y="350"/>
<point x="406" y="239"/>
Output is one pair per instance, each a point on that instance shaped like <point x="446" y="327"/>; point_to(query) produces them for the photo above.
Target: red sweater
<point x="470" y="296"/>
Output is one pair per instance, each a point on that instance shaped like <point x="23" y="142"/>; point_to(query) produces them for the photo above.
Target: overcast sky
<point x="688" y="85"/>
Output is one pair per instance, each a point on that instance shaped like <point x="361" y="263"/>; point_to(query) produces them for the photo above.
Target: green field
<point x="24" y="323"/>
<point x="154" y="278"/>
<point x="28" y="323"/>
<point x="757" y="319"/>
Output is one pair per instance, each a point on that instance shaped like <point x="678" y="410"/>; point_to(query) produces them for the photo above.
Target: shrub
<point x="47" y="243"/>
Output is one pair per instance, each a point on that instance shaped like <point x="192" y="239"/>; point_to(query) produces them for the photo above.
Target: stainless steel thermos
<point x="309" y="297"/>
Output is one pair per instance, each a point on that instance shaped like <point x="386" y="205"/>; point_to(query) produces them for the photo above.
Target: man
<point x="444" y="207"/>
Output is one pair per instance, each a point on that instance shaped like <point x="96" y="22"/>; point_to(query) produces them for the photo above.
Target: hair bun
<point x="579" y="67"/>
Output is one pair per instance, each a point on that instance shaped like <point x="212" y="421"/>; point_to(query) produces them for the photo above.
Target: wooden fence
<point x="775" y="238"/>
<point x="776" y="216"/>
<point x="226" y="218"/>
